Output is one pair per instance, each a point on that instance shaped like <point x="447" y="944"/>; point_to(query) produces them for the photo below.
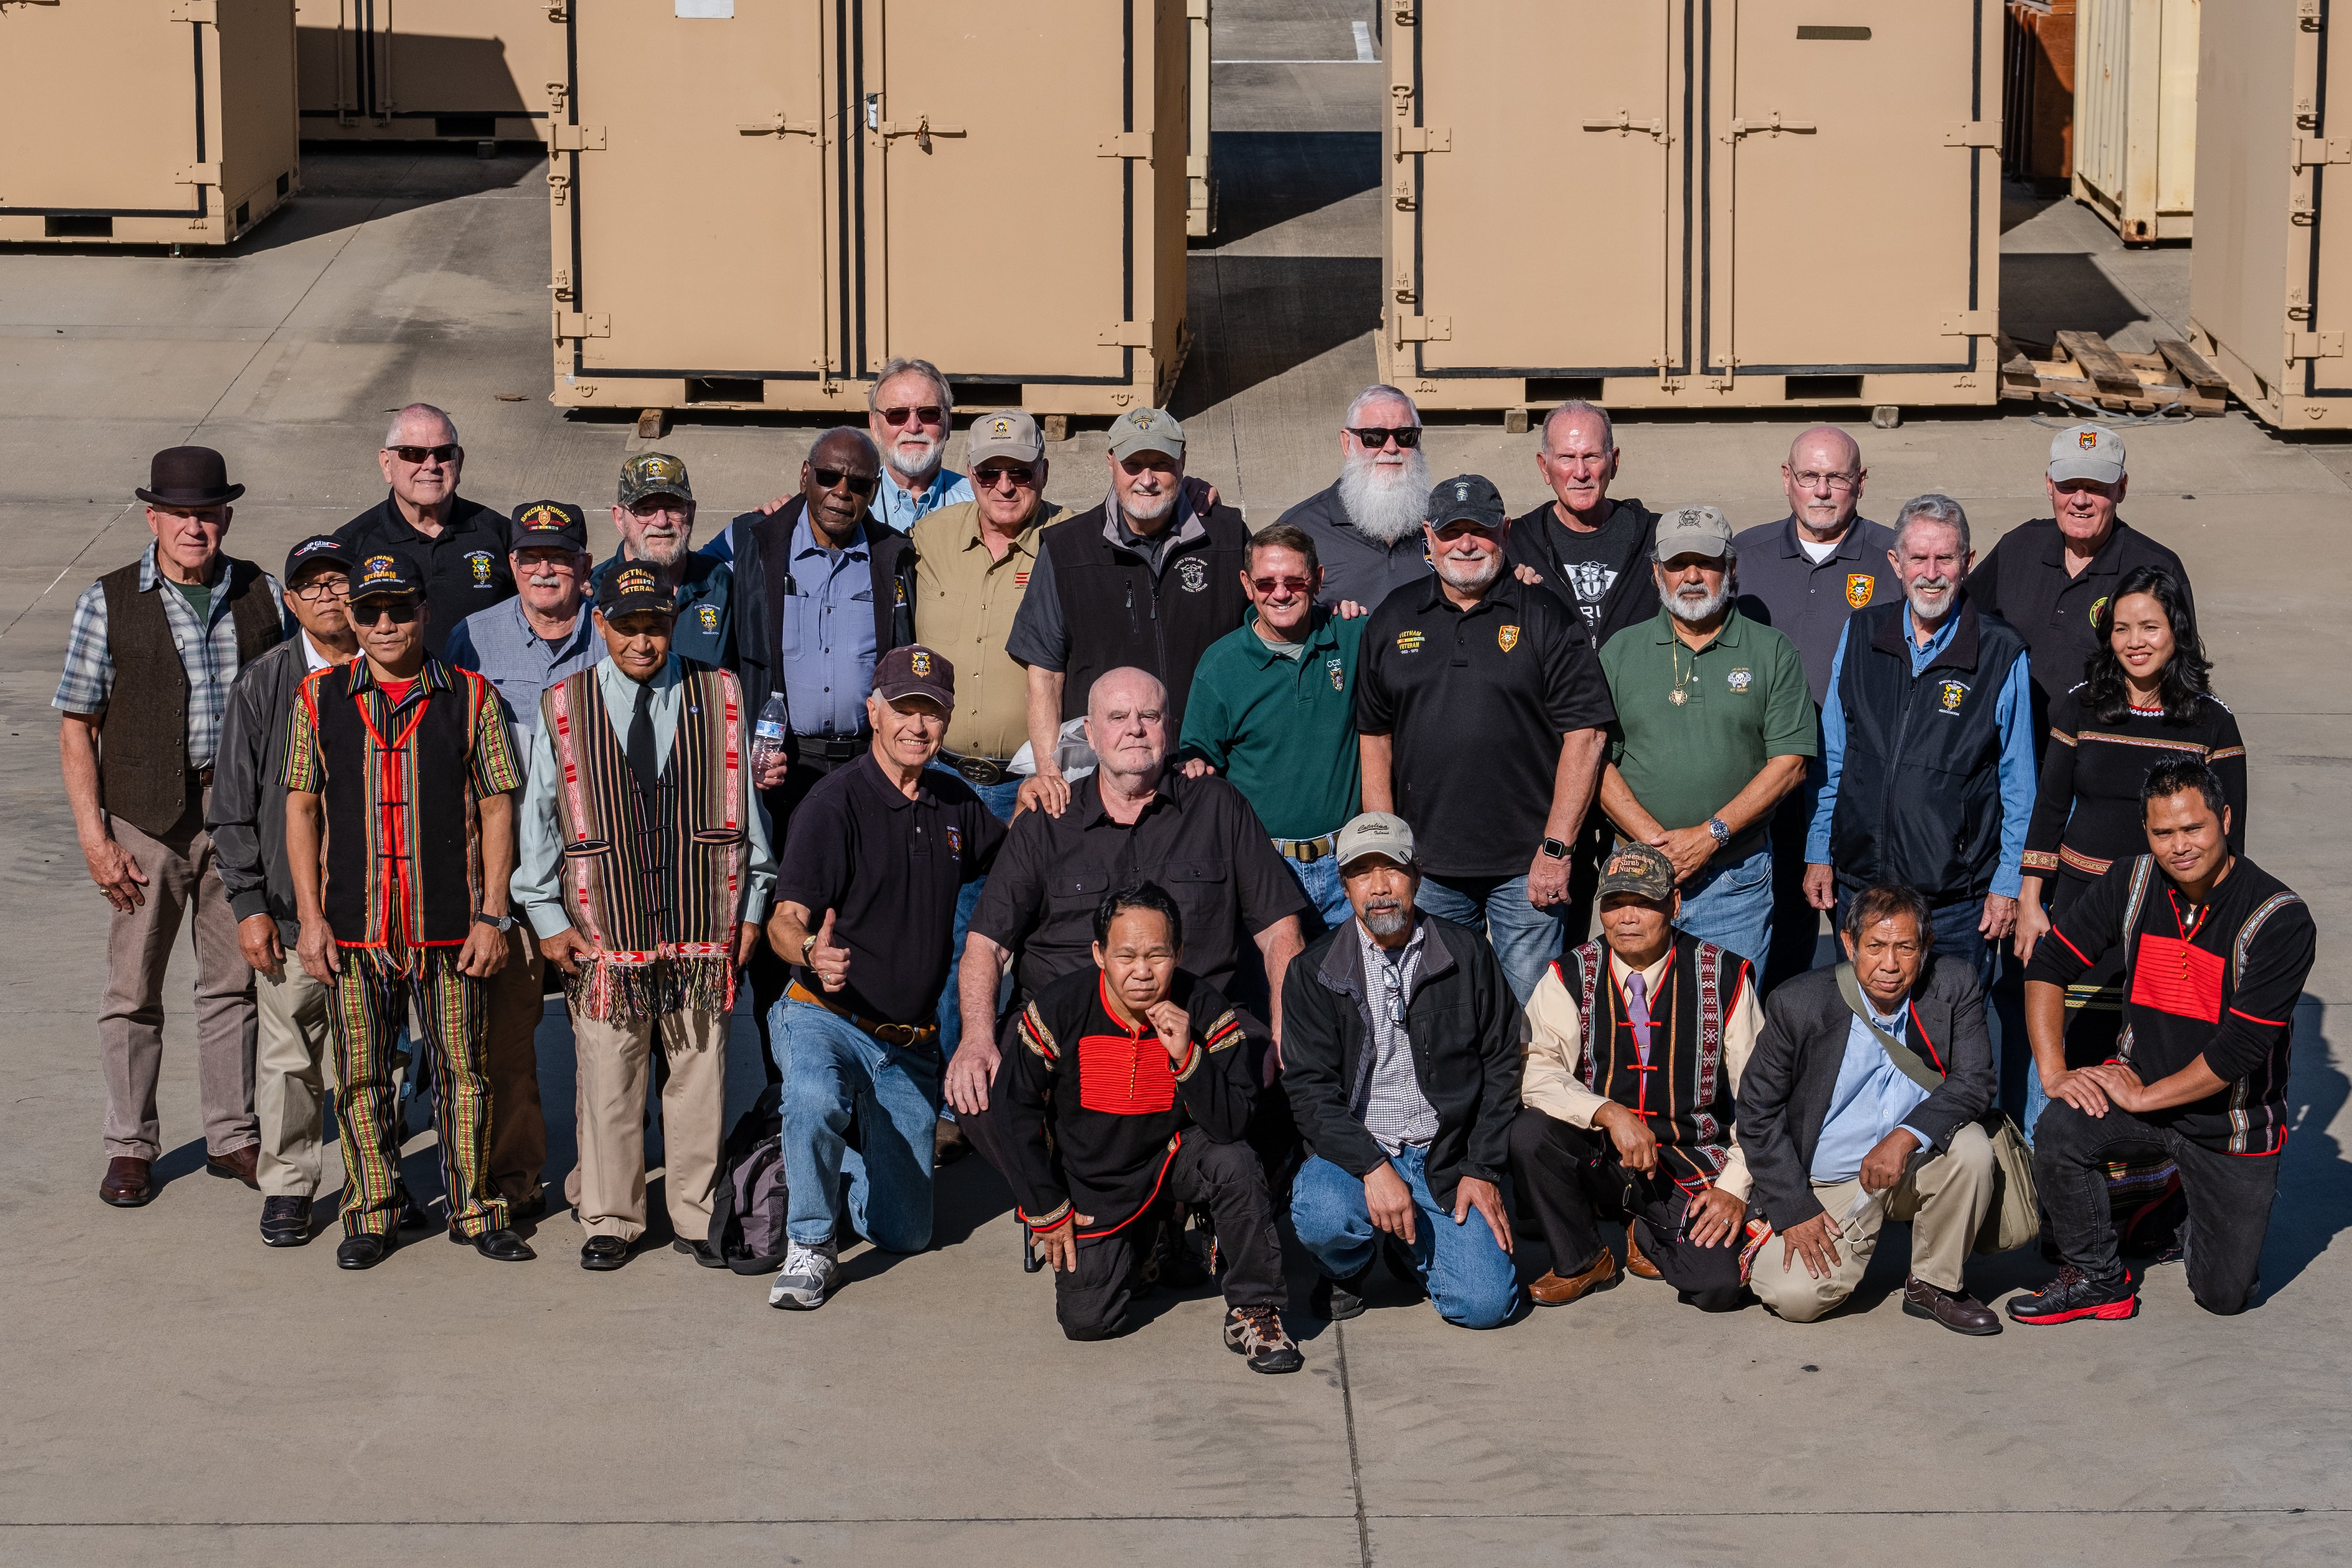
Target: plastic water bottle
<point x="770" y="734"/>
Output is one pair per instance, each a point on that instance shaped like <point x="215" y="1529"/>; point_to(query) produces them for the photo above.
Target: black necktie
<point x="641" y="743"/>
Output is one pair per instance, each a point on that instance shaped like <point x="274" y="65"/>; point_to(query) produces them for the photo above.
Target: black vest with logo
<point x="1684" y="1095"/>
<point x="1118" y="613"/>
<point x="1920" y="796"/>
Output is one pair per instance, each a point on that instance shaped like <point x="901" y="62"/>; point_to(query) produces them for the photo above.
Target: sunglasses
<point x="928" y="413"/>
<point x="443" y="454"/>
<point x="657" y="507"/>
<point x="402" y="611"/>
<point x="1266" y="585"/>
<point x="832" y="478"/>
<point x="1406" y="438"/>
<point x="1019" y="477"/>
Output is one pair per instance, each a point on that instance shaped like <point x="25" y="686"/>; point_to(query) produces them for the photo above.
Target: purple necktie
<point x="1637" y="1012"/>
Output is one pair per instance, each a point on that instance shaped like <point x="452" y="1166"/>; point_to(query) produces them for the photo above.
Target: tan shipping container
<point x="426" y="70"/>
<point x="757" y="204"/>
<point x="2136" y="115"/>
<point x="2269" y="276"/>
<point x="145" y="121"/>
<point x="1200" y="188"/>
<point x="1678" y="203"/>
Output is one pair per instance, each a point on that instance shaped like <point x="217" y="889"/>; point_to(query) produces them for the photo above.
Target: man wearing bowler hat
<point x="154" y="648"/>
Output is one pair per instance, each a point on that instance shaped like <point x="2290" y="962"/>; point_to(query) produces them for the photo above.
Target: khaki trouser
<point x="183" y="882"/>
<point x="293" y="1070"/>
<point x="511" y="1063"/>
<point x="608" y="1186"/>
<point x="1946" y="1200"/>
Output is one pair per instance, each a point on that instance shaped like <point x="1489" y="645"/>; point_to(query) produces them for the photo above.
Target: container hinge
<point x="1970" y="324"/>
<point x="1126" y="145"/>
<point x="1196" y="167"/>
<point x="1424" y="139"/>
<point x="559" y="186"/>
<point x="1975" y="133"/>
<point x="2315" y="345"/>
<point x="556" y="11"/>
<point x="572" y="324"/>
<point x="2310" y="151"/>
<point x="1425" y="329"/>
<point x="578" y="138"/>
<point x="1125" y="335"/>
<point x="777" y="125"/>
<point x="206" y="11"/>
<point x="198" y="174"/>
<point x="2307" y="11"/>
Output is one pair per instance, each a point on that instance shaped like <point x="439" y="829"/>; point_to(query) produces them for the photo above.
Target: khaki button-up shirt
<point x="964" y="605"/>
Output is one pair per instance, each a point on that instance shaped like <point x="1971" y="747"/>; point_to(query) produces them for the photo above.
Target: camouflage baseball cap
<point x="653" y="473"/>
<point x="1639" y="870"/>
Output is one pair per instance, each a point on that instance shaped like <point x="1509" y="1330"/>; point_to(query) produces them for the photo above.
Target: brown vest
<point x="143" y="752"/>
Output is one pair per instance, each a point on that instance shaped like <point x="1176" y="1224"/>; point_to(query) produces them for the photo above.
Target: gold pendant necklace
<point x="1675" y="657"/>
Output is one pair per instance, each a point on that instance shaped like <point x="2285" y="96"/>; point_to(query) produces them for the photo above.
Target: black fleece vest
<point x="1119" y="613"/>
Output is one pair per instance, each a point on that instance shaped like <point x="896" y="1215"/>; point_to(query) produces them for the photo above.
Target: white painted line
<point x="1364" y="43"/>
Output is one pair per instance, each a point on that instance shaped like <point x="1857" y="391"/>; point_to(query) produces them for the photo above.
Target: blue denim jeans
<point x="998" y="798"/>
<point x="1526" y="939"/>
<point x="1471" y="1280"/>
<point x="1729" y="903"/>
<point x="1319" y="879"/>
<point x="832" y="1070"/>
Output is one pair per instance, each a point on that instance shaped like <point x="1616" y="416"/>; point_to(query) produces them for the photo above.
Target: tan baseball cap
<point x="1007" y="433"/>
<point x="1147" y="430"/>
<point x="2086" y="452"/>
<point x="1694" y="531"/>
<point x="1374" y="832"/>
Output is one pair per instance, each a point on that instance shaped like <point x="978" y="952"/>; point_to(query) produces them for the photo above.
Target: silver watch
<point x="1721" y="830"/>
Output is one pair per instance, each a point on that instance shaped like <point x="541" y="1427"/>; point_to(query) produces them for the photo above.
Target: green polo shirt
<point x="1282" y="731"/>
<point x="1745" y="702"/>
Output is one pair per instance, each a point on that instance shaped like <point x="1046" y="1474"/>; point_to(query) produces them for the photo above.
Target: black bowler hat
<point x="188" y="476"/>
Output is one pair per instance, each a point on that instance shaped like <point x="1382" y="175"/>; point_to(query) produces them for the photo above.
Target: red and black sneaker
<point x="2074" y="1295"/>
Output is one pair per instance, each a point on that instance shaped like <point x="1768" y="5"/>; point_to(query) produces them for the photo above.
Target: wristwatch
<point x="501" y="923"/>
<point x="1722" y="831"/>
<point x="807" y="942"/>
<point x="1554" y="849"/>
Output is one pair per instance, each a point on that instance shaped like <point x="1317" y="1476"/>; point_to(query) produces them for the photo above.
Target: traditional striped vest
<point x="1684" y="1094"/>
<point x="655" y="886"/>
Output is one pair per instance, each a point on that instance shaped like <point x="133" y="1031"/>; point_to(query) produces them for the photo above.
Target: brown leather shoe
<point x="1960" y="1312"/>
<point x="128" y="1183"/>
<point x="238" y="1165"/>
<point x="1551" y="1290"/>
<point x="1638" y="1266"/>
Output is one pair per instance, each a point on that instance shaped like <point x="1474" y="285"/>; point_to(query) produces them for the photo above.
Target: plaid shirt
<point x="208" y="654"/>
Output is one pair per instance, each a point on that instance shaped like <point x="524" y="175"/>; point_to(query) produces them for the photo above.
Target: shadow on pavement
<point x="2315" y="1199"/>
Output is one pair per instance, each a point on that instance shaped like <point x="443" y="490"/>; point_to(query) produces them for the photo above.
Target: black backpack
<point x="747" y="1211"/>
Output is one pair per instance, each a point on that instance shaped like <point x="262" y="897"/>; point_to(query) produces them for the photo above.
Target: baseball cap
<point x="1466" y="497"/>
<point x="1147" y="430"/>
<point x="319" y="547"/>
<point x="653" y="473"/>
<point x="547" y="525"/>
<point x="387" y="575"/>
<point x="1639" y="870"/>
<point x="1010" y="433"/>
<point x="1693" y="531"/>
<point x="914" y="671"/>
<point x="635" y="586"/>
<point x="2086" y="452"/>
<point x="1374" y="832"/>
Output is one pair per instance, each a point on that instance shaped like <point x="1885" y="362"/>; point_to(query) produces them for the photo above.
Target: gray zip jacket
<point x="246" y="814"/>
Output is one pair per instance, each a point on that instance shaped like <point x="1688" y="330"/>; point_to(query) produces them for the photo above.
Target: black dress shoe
<point x="362" y="1251"/>
<point x="702" y="1252"/>
<point x="413" y="1217"/>
<point x="285" y="1222"/>
<point x="498" y="1246"/>
<point x="600" y="1254"/>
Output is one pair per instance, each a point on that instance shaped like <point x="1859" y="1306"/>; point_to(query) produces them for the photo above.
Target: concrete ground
<point x="177" y="1394"/>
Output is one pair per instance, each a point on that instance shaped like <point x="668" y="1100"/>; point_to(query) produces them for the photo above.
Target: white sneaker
<point x="806" y="1278"/>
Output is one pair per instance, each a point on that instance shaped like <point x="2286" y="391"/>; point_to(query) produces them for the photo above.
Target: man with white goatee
<point x="1367" y="525"/>
<point x="908" y="413"/>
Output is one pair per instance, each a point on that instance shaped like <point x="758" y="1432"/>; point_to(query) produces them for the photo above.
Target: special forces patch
<point x="2098" y="610"/>
<point x="921" y="661"/>
<point x="1953" y="694"/>
<point x="2087" y="439"/>
<point x="1410" y="642"/>
<point x="1506" y="638"/>
<point x="1858" y="586"/>
<point x="1192" y="574"/>
<point x="1337" y="669"/>
<point x="481" y="561"/>
<point x="708" y="616"/>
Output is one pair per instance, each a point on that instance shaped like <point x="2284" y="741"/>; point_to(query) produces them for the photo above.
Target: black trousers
<point x="1224" y="1178"/>
<point x="1570" y="1180"/>
<point x="1796" y="924"/>
<point x="2229" y="1198"/>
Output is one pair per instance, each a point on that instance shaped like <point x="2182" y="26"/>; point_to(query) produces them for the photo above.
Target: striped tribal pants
<point x="368" y="1004"/>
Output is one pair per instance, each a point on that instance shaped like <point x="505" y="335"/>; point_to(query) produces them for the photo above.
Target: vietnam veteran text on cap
<point x="635" y="586"/>
<point x="387" y="575"/>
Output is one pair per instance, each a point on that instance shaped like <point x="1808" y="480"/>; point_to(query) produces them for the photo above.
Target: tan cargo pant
<point x="608" y="1186"/>
<point x="293" y="1069"/>
<point x="1946" y="1200"/>
<point x="510" y="1064"/>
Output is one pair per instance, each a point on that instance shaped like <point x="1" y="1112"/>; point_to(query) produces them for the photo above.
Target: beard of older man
<point x="1385" y="498"/>
<point x="1932" y="598"/>
<point x="1694" y="603"/>
<point x="1465" y="577"/>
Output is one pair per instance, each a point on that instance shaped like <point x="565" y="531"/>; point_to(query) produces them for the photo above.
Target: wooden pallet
<point x="2082" y="366"/>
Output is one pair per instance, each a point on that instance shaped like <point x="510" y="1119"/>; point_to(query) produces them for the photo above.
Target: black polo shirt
<point x="891" y="868"/>
<point x="1476" y="703"/>
<point x="465" y="570"/>
<point x="1808" y="601"/>
<point x="1196" y="837"/>
<point x="2023" y="581"/>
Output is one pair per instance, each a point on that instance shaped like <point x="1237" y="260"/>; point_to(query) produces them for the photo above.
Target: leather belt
<point x="908" y="1034"/>
<point x="977" y="770"/>
<point x="201" y="779"/>
<point x="1304" y="849"/>
<point x="830" y="748"/>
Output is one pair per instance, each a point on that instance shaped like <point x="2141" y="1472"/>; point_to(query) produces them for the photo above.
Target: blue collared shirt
<point x="902" y="509"/>
<point x="2019" y="778"/>
<point x="826" y="641"/>
<point x="499" y="645"/>
<point x="1871" y="1098"/>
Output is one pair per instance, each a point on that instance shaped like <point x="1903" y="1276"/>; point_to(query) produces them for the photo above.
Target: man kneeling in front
<point x="1141" y="1067"/>
<point x="1842" y="1135"/>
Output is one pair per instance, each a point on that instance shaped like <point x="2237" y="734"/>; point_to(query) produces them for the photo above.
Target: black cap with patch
<point x="547" y="525"/>
<point x="632" y="587"/>
<point x="1466" y="497"/>
<point x="320" y="549"/>
<point x="387" y="573"/>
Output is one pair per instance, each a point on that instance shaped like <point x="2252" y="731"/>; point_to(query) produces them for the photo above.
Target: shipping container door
<point x="1543" y="145"/>
<point x="465" y="58"/>
<point x="1851" y="162"/>
<point x="68" y="144"/>
<point x="2319" y="270"/>
<point x="699" y="203"/>
<point x="1001" y="210"/>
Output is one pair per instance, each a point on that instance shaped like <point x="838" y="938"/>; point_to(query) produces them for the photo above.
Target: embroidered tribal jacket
<point x="1684" y="1095"/>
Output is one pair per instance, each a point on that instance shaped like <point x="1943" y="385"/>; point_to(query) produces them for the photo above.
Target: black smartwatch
<point x="1555" y="849"/>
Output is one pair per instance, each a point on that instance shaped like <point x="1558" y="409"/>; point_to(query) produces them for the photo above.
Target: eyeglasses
<point x="321" y="588"/>
<point x="928" y="413"/>
<point x="1807" y="480"/>
<point x="1018" y="477"/>
<point x="1267" y="585"/>
<point x="642" y="510"/>
<point x="832" y="478"/>
<point x="401" y="612"/>
<point x="443" y="454"/>
<point x="1406" y="437"/>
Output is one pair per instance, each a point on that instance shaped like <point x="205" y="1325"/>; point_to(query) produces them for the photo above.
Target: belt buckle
<point x="979" y="770"/>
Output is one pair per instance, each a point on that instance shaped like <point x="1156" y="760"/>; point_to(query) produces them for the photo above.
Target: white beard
<point x="1471" y="578"/>
<point x="1695" y="610"/>
<point x="1386" y="501"/>
<point x="917" y="458"/>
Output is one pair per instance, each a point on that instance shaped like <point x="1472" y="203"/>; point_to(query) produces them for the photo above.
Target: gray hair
<point x="1576" y="405"/>
<point x="417" y="411"/>
<point x="901" y="366"/>
<point x="1934" y="508"/>
<point x="1380" y="392"/>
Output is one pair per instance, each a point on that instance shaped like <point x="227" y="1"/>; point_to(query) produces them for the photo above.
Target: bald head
<point x="1126" y="725"/>
<point x="1823" y="478"/>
